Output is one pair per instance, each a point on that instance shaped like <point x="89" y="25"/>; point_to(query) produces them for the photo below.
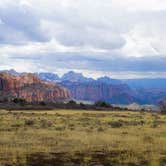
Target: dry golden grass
<point x="123" y="138"/>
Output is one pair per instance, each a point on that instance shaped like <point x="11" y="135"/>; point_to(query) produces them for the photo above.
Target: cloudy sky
<point x="118" y="38"/>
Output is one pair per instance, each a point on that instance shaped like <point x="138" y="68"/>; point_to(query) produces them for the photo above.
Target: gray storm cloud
<point x="105" y="36"/>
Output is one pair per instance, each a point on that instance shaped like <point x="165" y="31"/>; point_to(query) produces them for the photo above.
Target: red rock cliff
<point x="31" y="88"/>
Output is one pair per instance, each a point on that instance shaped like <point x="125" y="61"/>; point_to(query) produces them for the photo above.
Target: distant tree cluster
<point x="102" y="104"/>
<point x="162" y="105"/>
<point x="19" y="101"/>
<point x="22" y="104"/>
<point x="72" y="102"/>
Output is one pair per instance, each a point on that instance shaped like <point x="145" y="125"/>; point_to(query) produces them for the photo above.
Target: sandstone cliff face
<point x="96" y="91"/>
<point x="31" y="88"/>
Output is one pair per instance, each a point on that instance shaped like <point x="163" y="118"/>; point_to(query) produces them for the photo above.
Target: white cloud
<point x="122" y="75"/>
<point x="138" y="45"/>
<point x="140" y="5"/>
<point x="81" y="30"/>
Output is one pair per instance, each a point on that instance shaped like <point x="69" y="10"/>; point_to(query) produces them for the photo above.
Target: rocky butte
<point x="31" y="88"/>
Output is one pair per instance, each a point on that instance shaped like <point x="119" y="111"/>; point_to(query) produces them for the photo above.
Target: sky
<point x="117" y="38"/>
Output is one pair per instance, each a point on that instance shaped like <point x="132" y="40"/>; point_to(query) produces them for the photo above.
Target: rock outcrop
<point x="31" y="88"/>
<point x="141" y="91"/>
<point x="96" y="91"/>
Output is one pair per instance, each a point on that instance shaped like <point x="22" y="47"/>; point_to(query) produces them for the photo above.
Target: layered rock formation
<point x="142" y="91"/>
<point x="31" y="88"/>
<point x="96" y="91"/>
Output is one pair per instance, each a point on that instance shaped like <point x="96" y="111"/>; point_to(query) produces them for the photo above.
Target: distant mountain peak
<point x="75" y="77"/>
<point x="72" y="74"/>
<point x="109" y="80"/>
<point x="49" y="77"/>
<point x="10" y="71"/>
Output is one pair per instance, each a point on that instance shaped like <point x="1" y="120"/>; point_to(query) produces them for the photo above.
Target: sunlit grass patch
<point x="124" y="138"/>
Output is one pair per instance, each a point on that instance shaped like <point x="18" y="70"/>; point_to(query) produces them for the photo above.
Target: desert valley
<point x="74" y="120"/>
<point x="82" y="83"/>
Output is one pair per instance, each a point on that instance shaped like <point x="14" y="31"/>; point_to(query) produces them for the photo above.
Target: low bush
<point x="60" y="128"/>
<point x="100" y="129"/>
<point x="102" y="104"/>
<point x="45" y="123"/>
<point x="115" y="124"/>
<point x="29" y="122"/>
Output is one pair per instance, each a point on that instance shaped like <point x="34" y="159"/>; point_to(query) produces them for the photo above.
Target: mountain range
<point x="114" y="91"/>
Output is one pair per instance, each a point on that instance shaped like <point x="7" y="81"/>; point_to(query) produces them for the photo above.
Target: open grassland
<point x="87" y="138"/>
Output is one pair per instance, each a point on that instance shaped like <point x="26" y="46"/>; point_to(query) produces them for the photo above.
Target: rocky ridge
<point x="31" y="88"/>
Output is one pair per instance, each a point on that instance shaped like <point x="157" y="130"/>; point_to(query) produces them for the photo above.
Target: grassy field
<point x="85" y="138"/>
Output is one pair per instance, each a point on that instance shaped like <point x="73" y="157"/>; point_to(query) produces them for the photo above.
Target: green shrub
<point x="42" y="103"/>
<point x="115" y="124"/>
<point x="45" y="123"/>
<point x="72" y="102"/>
<point x="100" y="129"/>
<point x="60" y="128"/>
<point x="29" y="122"/>
<point x="19" y="101"/>
<point x="102" y="104"/>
